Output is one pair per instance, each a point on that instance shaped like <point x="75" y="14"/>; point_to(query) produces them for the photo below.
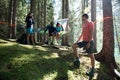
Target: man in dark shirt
<point x="51" y="32"/>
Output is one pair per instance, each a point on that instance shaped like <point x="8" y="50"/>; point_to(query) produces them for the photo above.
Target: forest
<point x="19" y="61"/>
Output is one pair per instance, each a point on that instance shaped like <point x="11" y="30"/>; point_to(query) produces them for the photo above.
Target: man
<point x="86" y="41"/>
<point x="51" y="32"/>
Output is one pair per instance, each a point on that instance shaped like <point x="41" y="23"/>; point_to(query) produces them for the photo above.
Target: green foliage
<point x="22" y="11"/>
<point x="4" y="9"/>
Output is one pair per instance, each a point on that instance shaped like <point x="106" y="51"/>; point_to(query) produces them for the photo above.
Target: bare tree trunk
<point x="83" y="6"/>
<point x="63" y="8"/>
<point x="65" y="14"/>
<point x="10" y="19"/>
<point x="93" y="18"/>
<point x="14" y="19"/>
<point x="33" y="10"/>
<point x="45" y="12"/>
<point x="38" y="20"/>
<point x="106" y="56"/>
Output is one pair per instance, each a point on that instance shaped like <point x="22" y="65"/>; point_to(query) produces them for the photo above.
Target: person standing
<point x="86" y="41"/>
<point x="29" y="28"/>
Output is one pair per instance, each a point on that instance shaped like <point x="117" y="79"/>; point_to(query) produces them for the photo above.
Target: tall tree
<point x="65" y="14"/>
<point x="12" y="18"/>
<point x="45" y="4"/>
<point x="33" y="10"/>
<point x="93" y="17"/>
<point x="106" y="56"/>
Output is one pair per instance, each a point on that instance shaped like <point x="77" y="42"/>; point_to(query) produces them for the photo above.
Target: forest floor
<point x="26" y="62"/>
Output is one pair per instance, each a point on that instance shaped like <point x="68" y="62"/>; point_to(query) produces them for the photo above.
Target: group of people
<point x="85" y="40"/>
<point x="53" y="32"/>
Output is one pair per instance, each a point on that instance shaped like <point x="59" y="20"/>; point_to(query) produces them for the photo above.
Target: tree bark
<point x="93" y="18"/>
<point x="63" y="8"/>
<point x="13" y="25"/>
<point x="45" y="12"/>
<point x="10" y="19"/>
<point x="65" y="14"/>
<point x="106" y="56"/>
<point x="33" y="10"/>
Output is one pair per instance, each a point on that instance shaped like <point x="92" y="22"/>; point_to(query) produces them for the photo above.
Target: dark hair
<point x="58" y="24"/>
<point x="28" y="16"/>
<point x="85" y="15"/>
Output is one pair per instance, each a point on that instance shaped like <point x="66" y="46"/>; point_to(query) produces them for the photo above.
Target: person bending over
<point x="51" y="32"/>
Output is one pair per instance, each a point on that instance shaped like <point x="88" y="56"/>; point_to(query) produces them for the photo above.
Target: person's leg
<point x="28" y="38"/>
<point x="92" y="70"/>
<point x="32" y="39"/>
<point x="75" y="46"/>
<point x="53" y="38"/>
<point x="92" y="60"/>
<point x="57" y="36"/>
<point x="77" y="61"/>
<point x="46" y="38"/>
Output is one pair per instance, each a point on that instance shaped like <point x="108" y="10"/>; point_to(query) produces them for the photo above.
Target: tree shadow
<point x="37" y="67"/>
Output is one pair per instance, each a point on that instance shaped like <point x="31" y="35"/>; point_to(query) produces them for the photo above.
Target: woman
<point x="29" y="28"/>
<point x="58" y="30"/>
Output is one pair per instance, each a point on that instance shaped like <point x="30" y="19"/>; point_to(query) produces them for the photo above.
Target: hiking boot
<point x="90" y="73"/>
<point x="76" y="63"/>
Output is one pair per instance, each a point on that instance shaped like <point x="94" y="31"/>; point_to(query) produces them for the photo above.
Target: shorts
<point x="29" y="31"/>
<point x="84" y="43"/>
<point x="52" y="34"/>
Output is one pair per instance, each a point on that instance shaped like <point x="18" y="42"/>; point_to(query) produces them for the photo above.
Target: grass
<point x="22" y="62"/>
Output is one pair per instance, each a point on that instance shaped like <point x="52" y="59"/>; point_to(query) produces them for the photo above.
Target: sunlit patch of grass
<point x="50" y="76"/>
<point x="52" y="55"/>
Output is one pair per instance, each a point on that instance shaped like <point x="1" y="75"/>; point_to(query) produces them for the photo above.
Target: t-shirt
<point x="29" y="22"/>
<point x="58" y="29"/>
<point x="86" y="30"/>
<point x="50" y="29"/>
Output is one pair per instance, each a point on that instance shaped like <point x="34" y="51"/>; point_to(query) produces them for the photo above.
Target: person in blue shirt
<point x="58" y="30"/>
<point x="51" y="32"/>
<point x="29" y="28"/>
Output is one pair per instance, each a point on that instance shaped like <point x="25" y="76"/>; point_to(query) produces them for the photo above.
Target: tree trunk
<point x="33" y="10"/>
<point x="93" y="18"/>
<point x="65" y="14"/>
<point x="14" y="19"/>
<point x="106" y="56"/>
<point x="63" y="8"/>
<point x="10" y="19"/>
<point x="45" y="13"/>
<point x="83" y="6"/>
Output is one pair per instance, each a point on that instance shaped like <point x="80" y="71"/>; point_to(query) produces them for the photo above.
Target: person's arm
<point x="46" y="29"/>
<point x="80" y="38"/>
<point x="62" y="28"/>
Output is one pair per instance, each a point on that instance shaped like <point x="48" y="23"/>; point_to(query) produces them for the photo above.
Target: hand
<point x="88" y="45"/>
<point x="76" y="42"/>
